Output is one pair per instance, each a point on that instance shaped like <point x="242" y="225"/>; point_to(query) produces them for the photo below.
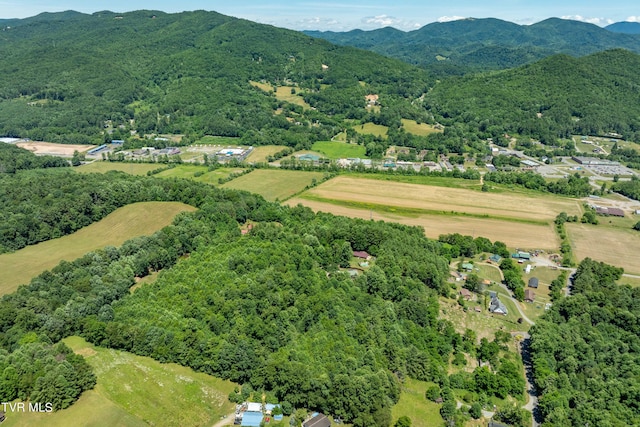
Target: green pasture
<point x="339" y="150"/>
<point x="260" y="154"/>
<point x="420" y="129"/>
<point x="189" y="172"/>
<point x="274" y="184"/>
<point x="371" y="129"/>
<point x="130" y="168"/>
<point x="133" y="220"/>
<point x="413" y="404"/>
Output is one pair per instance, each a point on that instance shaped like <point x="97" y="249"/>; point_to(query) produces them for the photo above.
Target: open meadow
<point x="615" y="246"/>
<point x="260" y="154"/>
<point x="283" y="93"/>
<point x="413" y="404"/>
<point x="124" y="223"/>
<point x="371" y="129"/>
<point x="190" y="171"/>
<point x="130" y="168"/>
<point x="420" y="129"/>
<point x="273" y="184"/>
<point x="137" y="391"/>
<point x="339" y="150"/>
<point x="51" y="148"/>
<point x="521" y="235"/>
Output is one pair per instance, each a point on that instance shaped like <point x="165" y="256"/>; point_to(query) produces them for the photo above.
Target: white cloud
<point x="381" y="20"/>
<point x="633" y="19"/>
<point x="450" y="18"/>
<point x="596" y="21"/>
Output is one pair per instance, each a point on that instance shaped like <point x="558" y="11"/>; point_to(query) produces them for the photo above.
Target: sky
<point x="346" y="15"/>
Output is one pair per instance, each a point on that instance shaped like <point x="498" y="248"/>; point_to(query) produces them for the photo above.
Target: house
<point x="361" y="254"/>
<point x="495" y="258"/>
<point x="498" y="306"/>
<point x="529" y="295"/>
<point x="533" y="283"/>
<point x="467" y="266"/>
<point x="317" y="420"/>
<point x="466" y="294"/>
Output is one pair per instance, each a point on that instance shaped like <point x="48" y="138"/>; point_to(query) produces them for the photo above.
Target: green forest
<point x="585" y="352"/>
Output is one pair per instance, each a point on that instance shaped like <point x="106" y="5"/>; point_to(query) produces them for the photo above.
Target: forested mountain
<point x="624" y="27"/>
<point x="586" y="352"/>
<point x="65" y="74"/>
<point x="552" y="98"/>
<point x="484" y="44"/>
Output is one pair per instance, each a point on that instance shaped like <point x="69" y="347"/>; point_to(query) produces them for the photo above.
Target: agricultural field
<point x="615" y="246"/>
<point x="339" y="150"/>
<point x="50" y="148"/>
<point x="371" y="129"/>
<point x="260" y="154"/>
<point x="512" y="234"/>
<point x="124" y="223"/>
<point x="420" y="129"/>
<point x="223" y="141"/>
<point x="130" y="168"/>
<point x="137" y="391"/>
<point x="413" y="404"/>
<point x="190" y="171"/>
<point x="274" y="184"/>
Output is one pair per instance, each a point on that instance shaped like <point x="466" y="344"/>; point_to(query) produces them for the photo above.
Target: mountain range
<point x="487" y="44"/>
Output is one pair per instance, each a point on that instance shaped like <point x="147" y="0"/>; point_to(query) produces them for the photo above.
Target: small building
<point x="466" y="294"/>
<point x="495" y="258"/>
<point x="361" y="254"/>
<point x="467" y="266"/>
<point x="498" y="306"/>
<point x="251" y="419"/>
<point x="527" y="269"/>
<point x="529" y="295"/>
<point x="317" y="420"/>
<point x="533" y="283"/>
<point x="616" y="212"/>
<point x="521" y="255"/>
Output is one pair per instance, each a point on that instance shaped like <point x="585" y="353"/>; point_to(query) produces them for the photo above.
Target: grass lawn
<point x="125" y="223"/>
<point x="274" y="184"/>
<point x="137" y="391"/>
<point x="372" y="129"/>
<point x="487" y="271"/>
<point x="413" y="404"/>
<point x="339" y="150"/>
<point x="130" y="168"/>
<point x="189" y="171"/>
<point x="260" y="154"/>
<point x="422" y="129"/>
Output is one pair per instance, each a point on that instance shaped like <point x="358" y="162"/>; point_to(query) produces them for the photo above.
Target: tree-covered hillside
<point x="586" y="352"/>
<point x="65" y="75"/>
<point x="552" y="98"/>
<point x="484" y="44"/>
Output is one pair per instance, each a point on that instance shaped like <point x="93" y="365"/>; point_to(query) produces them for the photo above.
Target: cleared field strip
<point x="513" y="234"/>
<point x="130" y="168"/>
<point x="137" y="391"/>
<point x="540" y="209"/>
<point x="617" y="247"/>
<point x="274" y="184"/>
<point x="52" y="148"/>
<point x="260" y="154"/>
<point x="133" y="220"/>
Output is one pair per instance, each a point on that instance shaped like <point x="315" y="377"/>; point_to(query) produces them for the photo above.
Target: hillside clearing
<point x="614" y="246"/>
<point x="137" y="391"/>
<point x="124" y="223"/>
<point x="51" y="148"/>
<point x="413" y="404"/>
<point x="372" y="129"/>
<point x="420" y="129"/>
<point x="260" y="154"/>
<point x="273" y="184"/>
<point x="512" y="234"/>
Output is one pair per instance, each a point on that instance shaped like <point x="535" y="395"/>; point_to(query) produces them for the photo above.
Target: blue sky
<point x="349" y="14"/>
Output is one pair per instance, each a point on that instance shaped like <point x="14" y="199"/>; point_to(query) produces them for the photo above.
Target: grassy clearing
<point x="615" y="246"/>
<point x="122" y="224"/>
<point x="260" y="154"/>
<point x="140" y="282"/>
<point x="413" y="404"/>
<point x="130" y="168"/>
<point x="420" y="129"/>
<point x="189" y="171"/>
<point x="283" y="93"/>
<point x="487" y="271"/>
<point x="137" y="391"/>
<point x="273" y="184"/>
<point x="512" y="234"/>
<point x="437" y="181"/>
<point x="372" y="129"/>
<point x="538" y="209"/>
<point x="632" y="281"/>
<point x="339" y="150"/>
